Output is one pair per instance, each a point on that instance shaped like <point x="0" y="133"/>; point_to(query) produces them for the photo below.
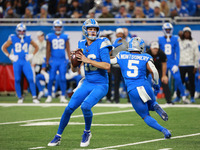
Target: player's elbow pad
<point x="155" y="72"/>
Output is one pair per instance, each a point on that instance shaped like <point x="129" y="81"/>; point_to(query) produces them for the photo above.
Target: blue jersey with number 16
<point x="58" y="45"/>
<point x="133" y="68"/>
<point x="98" y="51"/>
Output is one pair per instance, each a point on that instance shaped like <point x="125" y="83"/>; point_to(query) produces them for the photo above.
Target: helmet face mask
<point x="136" y="44"/>
<point x="90" y="23"/>
<point x="58" y="26"/>
<point x="21" y="30"/>
<point x="167" y="29"/>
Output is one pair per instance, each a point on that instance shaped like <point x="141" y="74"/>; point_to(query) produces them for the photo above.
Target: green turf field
<point x="115" y="126"/>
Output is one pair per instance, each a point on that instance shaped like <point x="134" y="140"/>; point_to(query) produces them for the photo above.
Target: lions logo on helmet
<point x="58" y="26"/>
<point x="21" y="30"/>
<point x="136" y="44"/>
<point x="90" y="23"/>
<point x="167" y="29"/>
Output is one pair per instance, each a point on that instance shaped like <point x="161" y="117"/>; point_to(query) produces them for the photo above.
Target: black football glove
<point x="48" y="67"/>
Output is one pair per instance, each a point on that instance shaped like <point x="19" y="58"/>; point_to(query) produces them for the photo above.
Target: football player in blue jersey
<point x="96" y="60"/>
<point x="57" y="44"/>
<point x="20" y="57"/>
<point x="170" y="45"/>
<point x="134" y="66"/>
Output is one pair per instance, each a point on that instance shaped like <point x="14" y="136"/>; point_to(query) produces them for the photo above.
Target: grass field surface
<point x="115" y="127"/>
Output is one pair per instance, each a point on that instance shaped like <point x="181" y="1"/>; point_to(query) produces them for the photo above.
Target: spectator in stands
<point x="198" y="8"/>
<point x="28" y="12"/>
<point x="139" y="3"/>
<point x="1" y="12"/>
<point x="34" y="4"/>
<point x="91" y="13"/>
<point x="190" y="5"/>
<point x="189" y="60"/>
<point x="122" y="14"/>
<point x="9" y="13"/>
<point x="153" y="3"/>
<point x="149" y="12"/>
<point x="131" y="6"/>
<point x="19" y="6"/>
<point x="164" y="8"/>
<point x="138" y="13"/>
<point x="106" y="14"/>
<point x="43" y="13"/>
<point x="108" y="4"/>
<point x="160" y="62"/>
<point x="124" y="3"/>
<point x="158" y="13"/>
<point x="171" y="4"/>
<point x="76" y="15"/>
<point x="179" y="10"/>
<point x="115" y="69"/>
<point x="87" y="5"/>
<point x="53" y="7"/>
<point x="75" y="6"/>
<point x="62" y="12"/>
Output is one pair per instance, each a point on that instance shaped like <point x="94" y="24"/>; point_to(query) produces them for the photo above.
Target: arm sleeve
<point x="113" y="61"/>
<point x="155" y="72"/>
<point x="104" y="54"/>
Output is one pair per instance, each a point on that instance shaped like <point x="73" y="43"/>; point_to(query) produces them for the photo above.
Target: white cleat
<point x="86" y="139"/>
<point x="49" y="99"/>
<point x="196" y="95"/>
<point x="185" y="100"/>
<point x="20" y="101"/>
<point x="63" y="100"/>
<point x="36" y="101"/>
<point x="40" y="94"/>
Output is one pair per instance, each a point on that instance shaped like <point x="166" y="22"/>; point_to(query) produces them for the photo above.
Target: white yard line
<point x="98" y="105"/>
<point x="76" y="116"/>
<point x="143" y="142"/>
<point x="37" y="147"/>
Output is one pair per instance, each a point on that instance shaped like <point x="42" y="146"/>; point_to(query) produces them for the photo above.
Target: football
<point x="74" y="59"/>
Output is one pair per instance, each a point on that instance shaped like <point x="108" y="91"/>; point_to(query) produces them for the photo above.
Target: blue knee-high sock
<point x="49" y="86"/>
<point x="88" y="120"/>
<point x="63" y="86"/>
<point x="153" y="123"/>
<point x="64" y="120"/>
<point x="18" y="89"/>
<point x="32" y="87"/>
<point x="86" y="109"/>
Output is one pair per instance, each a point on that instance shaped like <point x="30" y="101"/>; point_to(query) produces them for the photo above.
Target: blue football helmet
<point x="58" y="23"/>
<point x="167" y="26"/>
<point x="136" y="44"/>
<point x="90" y="23"/>
<point x="21" y="30"/>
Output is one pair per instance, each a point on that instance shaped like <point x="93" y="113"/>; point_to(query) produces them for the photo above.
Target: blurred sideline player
<point x="96" y="61"/>
<point x="160" y="62"/>
<point x="170" y="45"/>
<point x="134" y="66"/>
<point x="57" y="44"/>
<point x="20" y="43"/>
